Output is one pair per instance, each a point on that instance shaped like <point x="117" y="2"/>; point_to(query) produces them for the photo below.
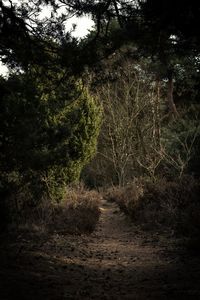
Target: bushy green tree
<point x="47" y="135"/>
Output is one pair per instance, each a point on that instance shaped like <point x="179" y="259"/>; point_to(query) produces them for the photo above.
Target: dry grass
<point x="78" y="213"/>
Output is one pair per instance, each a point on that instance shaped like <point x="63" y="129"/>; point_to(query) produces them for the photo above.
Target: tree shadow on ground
<point x="31" y="275"/>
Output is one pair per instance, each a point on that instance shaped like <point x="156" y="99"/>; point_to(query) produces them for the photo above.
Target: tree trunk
<point x="156" y="116"/>
<point x="170" y="98"/>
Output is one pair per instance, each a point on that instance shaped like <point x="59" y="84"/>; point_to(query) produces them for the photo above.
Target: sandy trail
<point x="116" y="262"/>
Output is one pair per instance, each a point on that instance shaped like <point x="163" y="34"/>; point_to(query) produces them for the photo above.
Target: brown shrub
<point x="173" y="205"/>
<point x="127" y="197"/>
<point x="78" y="213"/>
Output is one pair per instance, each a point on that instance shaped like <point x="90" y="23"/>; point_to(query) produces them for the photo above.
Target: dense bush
<point x="78" y="213"/>
<point x="169" y="204"/>
<point x="47" y="135"/>
<point x="180" y="143"/>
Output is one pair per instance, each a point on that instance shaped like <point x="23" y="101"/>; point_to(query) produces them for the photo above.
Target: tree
<point x="46" y="137"/>
<point x="138" y="137"/>
<point x="131" y="132"/>
<point x="166" y="31"/>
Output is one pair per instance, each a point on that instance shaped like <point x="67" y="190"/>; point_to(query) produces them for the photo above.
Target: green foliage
<point x="181" y="139"/>
<point x="47" y="135"/>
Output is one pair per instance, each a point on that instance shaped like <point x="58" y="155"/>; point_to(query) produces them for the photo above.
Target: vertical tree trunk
<point x="156" y="116"/>
<point x="170" y="97"/>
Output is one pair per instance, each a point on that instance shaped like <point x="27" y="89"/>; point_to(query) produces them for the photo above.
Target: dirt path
<point x="116" y="262"/>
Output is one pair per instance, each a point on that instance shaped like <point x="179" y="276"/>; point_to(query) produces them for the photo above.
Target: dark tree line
<point x="166" y="31"/>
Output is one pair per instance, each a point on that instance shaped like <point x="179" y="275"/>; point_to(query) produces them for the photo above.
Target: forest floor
<point x="117" y="261"/>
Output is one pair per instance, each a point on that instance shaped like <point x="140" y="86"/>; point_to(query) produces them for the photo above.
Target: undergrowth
<point x="173" y="205"/>
<point x="78" y="213"/>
